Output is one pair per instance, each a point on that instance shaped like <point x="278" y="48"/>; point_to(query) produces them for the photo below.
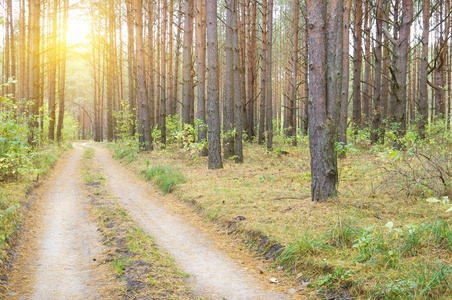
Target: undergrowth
<point x="13" y="193"/>
<point x="165" y="177"/>
<point x="379" y="239"/>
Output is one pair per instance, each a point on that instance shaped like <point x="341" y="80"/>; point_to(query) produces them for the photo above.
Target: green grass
<point x="137" y="258"/>
<point x="165" y="177"/>
<point x="379" y="239"/>
<point x="89" y="153"/>
<point x="119" y="264"/>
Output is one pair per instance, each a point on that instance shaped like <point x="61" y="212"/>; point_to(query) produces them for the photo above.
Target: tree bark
<point x="252" y="65"/>
<point x="176" y="67"/>
<point x="151" y="98"/>
<point x="52" y="71"/>
<point x="269" y="96"/>
<point x="264" y="75"/>
<point x="35" y="35"/>
<point x="144" y="126"/>
<point x="357" y="64"/>
<point x="110" y="69"/>
<point x="366" y="96"/>
<point x="201" y="69"/>
<point x="213" y="120"/>
<point x="130" y="64"/>
<point x="163" y="61"/>
<point x="238" y="150"/>
<point x="12" y="38"/>
<point x="325" y="80"/>
<point x="188" y="92"/>
<point x="62" y="79"/>
<point x="228" y="103"/>
<point x="399" y="70"/>
<point x="376" y="132"/>
<point x="346" y="77"/>
<point x="170" y="77"/>
<point x="292" y="109"/>
<point x="22" y="55"/>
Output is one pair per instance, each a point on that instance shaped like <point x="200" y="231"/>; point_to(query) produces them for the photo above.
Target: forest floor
<point x="379" y="239"/>
<point x="96" y="227"/>
<point x="93" y="230"/>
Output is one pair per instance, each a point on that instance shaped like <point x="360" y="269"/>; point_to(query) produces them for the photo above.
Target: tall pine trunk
<point x="357" y="63"/>
<point x="144" y="126"/>
<point x="213" y="111"/>
<point x="238" y="148"/>
<point x="345" y="77"/>
<point x="62" y="79"/>
<point x="228" y="103"/>
<point x="376" y="132"/>
<point x="264" y="75"/>
<point x="188" y="92"/>
<point x="325" y="80"/>
<point x="201" y="69"/>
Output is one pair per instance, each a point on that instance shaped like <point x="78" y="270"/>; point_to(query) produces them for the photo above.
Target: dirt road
<point x="213" y="272"/>
<point x="57" y="258"/>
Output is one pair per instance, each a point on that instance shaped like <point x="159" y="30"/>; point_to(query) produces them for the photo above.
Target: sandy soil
<point x="58" y="256"/>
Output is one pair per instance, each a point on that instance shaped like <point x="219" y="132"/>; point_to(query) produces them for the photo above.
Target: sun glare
<point x="78" y="30"/>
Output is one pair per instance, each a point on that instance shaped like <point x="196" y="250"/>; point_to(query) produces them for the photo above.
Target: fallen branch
<point x="299" y="198"/>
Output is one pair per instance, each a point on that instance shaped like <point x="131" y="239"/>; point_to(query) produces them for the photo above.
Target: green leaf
<point x="433" y="200"/>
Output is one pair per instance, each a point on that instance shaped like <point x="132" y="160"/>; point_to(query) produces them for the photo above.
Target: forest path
<point x="58" y="255"/>
<point x="213" y="273"/>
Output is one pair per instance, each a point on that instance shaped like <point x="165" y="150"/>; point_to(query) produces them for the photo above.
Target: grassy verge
<point x="375" y="241"/>
<point x="142" y="270"/>
<point x="14" y="197"/>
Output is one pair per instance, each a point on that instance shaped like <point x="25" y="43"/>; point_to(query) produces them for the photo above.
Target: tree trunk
<point x="305" y="121"/>
<point x="176" y="67"/>
<point x="385" y="84"/>
<point x="213" y="120"/>
<point x="188" y="92"/>
<point x="144" y="127"/>
<point x="62" y="79"/>
<point x="325" y="79"/>
<point x="399" y="70"/>
<point x="237" y="85"/>
<point x="22" y="55"/>
<point x="252" y="75"/>
<point x="163" y="75"/>
<point x="263" y="96"/>
<point x="242" y="66"/>
<point x="366" y="96"/>
<point x="170" y="77"/>
<point x="201" y="69"/>
<point x="130" y="64"/>
<point x="376" y="133"/>
<point x="35" y="35"/>
<point x="52" y="71"/>
<point x="152" y="72"/>
<point x="228" y="104"/>
<point x="292" y="118"/>
<point x="110" y="69"/>
<point x="345" y="78"/>
<point x="269" y="96"/>
<point x="12" y="90"/>
<point x="357" y="63"/>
